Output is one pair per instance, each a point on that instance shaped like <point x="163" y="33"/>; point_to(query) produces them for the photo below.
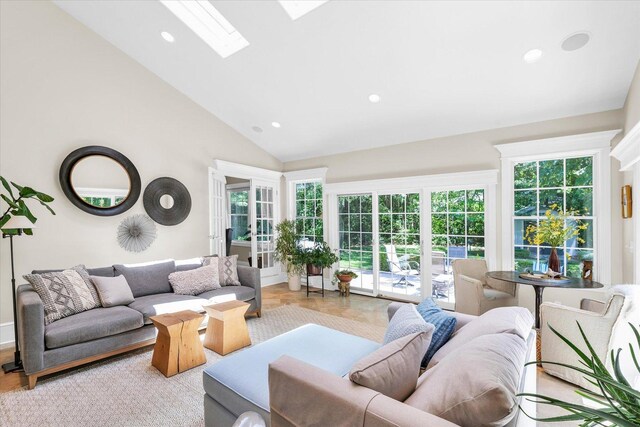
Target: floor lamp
<point x="14" y="227"/>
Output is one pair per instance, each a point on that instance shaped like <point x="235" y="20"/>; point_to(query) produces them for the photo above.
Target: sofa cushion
<point x="240" y="293"/>
<point x="188" y="264"/>
<point x="475" y="385"/>
<point x="91" y="325"/>
<point x="240" y="382"/>
<point x="151" y="305"/>
<point x="112" y="291"/>
<point x="64" y="293"/>
<point x="196" y="281"/>
<point x="147" y="278"/>
<point x="406" y="321"/>
<point x="393" y="369"/>
<point x="444" y="323"/>
<point x="510" y="320"/>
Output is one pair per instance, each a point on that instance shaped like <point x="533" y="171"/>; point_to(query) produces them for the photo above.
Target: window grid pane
<point x="308" y="213"/>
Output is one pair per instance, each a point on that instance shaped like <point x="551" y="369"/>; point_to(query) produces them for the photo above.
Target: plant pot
<point x="554" y="262"/>
<point x="314" y="269"/>
<point x="345" y="278"/>
<point x="294" y="282"/>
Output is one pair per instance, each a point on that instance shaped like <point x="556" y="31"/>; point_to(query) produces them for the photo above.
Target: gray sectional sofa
<point x="102" y="332"/>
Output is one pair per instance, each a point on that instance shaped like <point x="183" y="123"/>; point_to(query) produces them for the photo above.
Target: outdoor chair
<point x="440" y="279"/>
<point x="401" y="266"/>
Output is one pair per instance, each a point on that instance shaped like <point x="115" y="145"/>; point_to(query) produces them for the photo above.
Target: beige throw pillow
<point x="393" y="369"/>
<point x="227" y="268"/>
<point x="113" y="291"/>
<point x="196" y="281"/>
<point x="476" y="385"/>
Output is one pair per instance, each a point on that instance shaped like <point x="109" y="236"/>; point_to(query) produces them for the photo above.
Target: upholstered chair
<point x="606" y="325"/>
<point x="475" y="293"/>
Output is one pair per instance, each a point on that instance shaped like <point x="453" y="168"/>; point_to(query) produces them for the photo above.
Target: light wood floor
<point x="356" y="307"/>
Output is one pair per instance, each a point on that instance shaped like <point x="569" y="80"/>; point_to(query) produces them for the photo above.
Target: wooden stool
<point x="227" y="330"/>
<point x="178" y="347"/>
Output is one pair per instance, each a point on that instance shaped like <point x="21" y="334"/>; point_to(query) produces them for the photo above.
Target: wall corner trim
<point x="628" y="149"/>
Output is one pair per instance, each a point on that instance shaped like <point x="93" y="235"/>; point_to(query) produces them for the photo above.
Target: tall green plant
<point x="17" y="206"/>
<point x="618" y="403"/>
<point x="287" y="246"/>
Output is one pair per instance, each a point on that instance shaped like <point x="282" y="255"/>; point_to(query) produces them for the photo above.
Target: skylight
<point x="209" y="24"/>
<point x="298" y="8"/>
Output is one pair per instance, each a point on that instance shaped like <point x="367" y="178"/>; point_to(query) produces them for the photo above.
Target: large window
<point x="537" y="187"/>
<point x="239" y="214"/>
<point x="308" y="213"/>
<point x="355" y="228"/>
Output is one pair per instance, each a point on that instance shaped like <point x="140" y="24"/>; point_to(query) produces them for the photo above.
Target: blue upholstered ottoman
<point x="240" y="382"/>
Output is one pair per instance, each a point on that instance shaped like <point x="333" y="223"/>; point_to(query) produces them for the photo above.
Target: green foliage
<point x="320" y="254"/>
<point x="16" y="205"/>
<point x="287" y="246"/>
<point x="346" y="273"/>
<point x="618" y="403"/>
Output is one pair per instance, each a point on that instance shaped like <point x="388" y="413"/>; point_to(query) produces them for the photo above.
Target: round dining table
<point x="539" y="286"/>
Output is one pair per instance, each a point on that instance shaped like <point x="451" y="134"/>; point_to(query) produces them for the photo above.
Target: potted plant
<point x="345" y="277"/>
<point x="554" y="230"/>
<point x="318" y="257"/>
<point x="287" y="252"/>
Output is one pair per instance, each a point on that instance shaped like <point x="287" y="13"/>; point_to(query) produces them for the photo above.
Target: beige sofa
<point x="481" y="368"/>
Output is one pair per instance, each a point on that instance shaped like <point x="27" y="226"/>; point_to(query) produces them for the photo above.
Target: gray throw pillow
<point x="63" y="293"/>
<point x="195" y="282"/>
<point x="227" y="269"/>
<point x="147" y="278"/>
<point x="113" y="291"/>
<point x="406" y="321"/>
<point x="393" y="369"/>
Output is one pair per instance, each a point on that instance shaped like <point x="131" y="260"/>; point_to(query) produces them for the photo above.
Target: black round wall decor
<point x="174" y="214"/>
<point x="124" y="202"/>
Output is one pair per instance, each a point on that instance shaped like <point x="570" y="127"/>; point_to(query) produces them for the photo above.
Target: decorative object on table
<point x="167" y="201"/>
<point x="550" y="277"/>
<point x="615" y="402"/>
<point x="16" y="220"/>
<point x="554" y="230"/>
<point x="344" y="281"/>
<point x="286" y="252"/>
<point x="136" y="233"/>
<point x="627" y="202"/>
<point x="178" y="347"/>
<point x="227" y="330"/>
<point x="100" y="180"/>
<point x="587" y="269"/>
<point x="317" y="258"/>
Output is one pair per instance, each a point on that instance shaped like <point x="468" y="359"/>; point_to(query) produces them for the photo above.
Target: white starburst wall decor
<point x="136" y="233"/>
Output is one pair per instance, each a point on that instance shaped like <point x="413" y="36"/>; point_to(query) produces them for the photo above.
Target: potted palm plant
<point x="287" y="252"/>
<point x="318" y="257"/>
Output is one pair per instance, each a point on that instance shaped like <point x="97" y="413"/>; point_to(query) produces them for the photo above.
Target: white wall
<point x="64" y="87"/>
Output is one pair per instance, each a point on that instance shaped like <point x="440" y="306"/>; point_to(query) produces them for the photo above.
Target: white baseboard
<point x="273" y="280"/>
<point x="6" y="333"/>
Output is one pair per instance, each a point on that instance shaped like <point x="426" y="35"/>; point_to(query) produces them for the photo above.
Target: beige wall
<point x="632" y="104"/>
<point x="64" y="87"/>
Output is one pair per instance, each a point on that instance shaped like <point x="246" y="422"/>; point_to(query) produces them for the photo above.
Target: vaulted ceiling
<point x="440" y="68"/>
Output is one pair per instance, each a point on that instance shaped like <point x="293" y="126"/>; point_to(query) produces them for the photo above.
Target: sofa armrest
<point x="469" y="292"/>
<point x="304" y="395"/>
<point x="250" y="276"/>
<point x="393" y="307"/>
<point x="30" y="328"/>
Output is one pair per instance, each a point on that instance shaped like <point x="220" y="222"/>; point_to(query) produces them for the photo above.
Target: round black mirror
<point x="100" y="181"/>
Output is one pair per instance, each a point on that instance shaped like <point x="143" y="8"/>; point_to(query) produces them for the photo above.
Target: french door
<point x="263" y="199"/>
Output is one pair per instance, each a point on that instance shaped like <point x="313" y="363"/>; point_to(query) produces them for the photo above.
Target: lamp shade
<point x="18" y="222"/>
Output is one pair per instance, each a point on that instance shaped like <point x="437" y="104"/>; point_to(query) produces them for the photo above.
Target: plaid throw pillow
<point x="64" y="293"/>
<point x="227" y="269"/>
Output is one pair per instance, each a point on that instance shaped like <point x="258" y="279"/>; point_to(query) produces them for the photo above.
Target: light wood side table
<point x="227" y="330"/>
<point x="178" y="346"/>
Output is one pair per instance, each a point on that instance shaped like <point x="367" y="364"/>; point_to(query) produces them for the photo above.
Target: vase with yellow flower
<point x="554" y="230"/>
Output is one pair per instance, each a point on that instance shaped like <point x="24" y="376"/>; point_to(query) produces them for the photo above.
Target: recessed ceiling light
<point x="374" y="98"/>
<point x="532" y="56"/>
<point x="275" y="125"/>
<point x="209" y="24"/>
<point x="575" y="41"/>
<point x="257" y="129"/>
<point x="168" y="36"/>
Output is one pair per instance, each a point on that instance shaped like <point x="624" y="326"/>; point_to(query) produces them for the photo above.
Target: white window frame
<point x="237" y="188"/>
<point x="302" y="177"/>
<point x="596" y="144"/>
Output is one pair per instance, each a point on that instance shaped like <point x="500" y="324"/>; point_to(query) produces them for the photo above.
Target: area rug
<point x="128" y="391"/>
